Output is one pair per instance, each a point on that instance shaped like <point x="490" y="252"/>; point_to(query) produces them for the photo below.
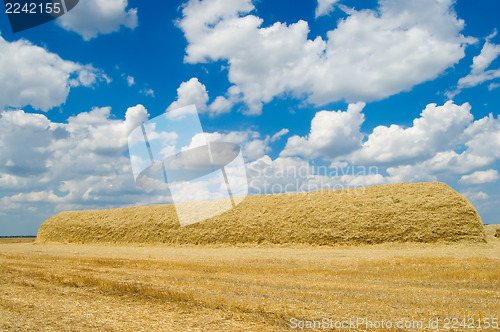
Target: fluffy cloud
<point x="325" y="7"/>
<point x="493" y="86"/>
<point x="220" y="105"/>
<point x="444" y="142"/>
<point x="479" y="177"/>
<point x="92" y="17"/>
<point x="148" y="92"/>
<point x="475" y="147"/>
<point x="77" y="164"/>
<point x="279" y="134"/>
<point x="251" y="142"/>
<point x="23" y="138"/>
<point x="435" y="130"/>
<point x="479" y="68"/>
<point x="370" y="55"/>
<point x="194" y="92"/>
<point x="30" y="75"/>
<point x="489" y="53"/>
<point x="191" y="92"/>
<point x="130" y="80"/>
<point x="482" y="137"/>
<point x="476" y="196"/>
<point x="419" y="152"/>
<point x="333" y="134"/>
<point x="444" y="166"/>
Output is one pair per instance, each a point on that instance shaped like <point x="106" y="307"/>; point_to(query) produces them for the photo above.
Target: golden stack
<point x="407" y="212"/>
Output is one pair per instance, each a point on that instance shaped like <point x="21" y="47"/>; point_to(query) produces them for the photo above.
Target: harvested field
<point x="410" y="212"/>
<point x="69" y="287"/>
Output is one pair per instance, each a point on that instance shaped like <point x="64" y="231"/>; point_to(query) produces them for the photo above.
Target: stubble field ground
<point x="69" y="287"/>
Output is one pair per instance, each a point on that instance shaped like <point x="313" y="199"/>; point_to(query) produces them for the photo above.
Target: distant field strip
<point x="211" y="289"/>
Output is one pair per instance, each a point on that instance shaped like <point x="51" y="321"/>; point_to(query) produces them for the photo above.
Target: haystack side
<point x="409" y="212"/>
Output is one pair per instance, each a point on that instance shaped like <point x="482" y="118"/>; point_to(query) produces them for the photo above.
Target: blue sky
<point x="369" y="92"/>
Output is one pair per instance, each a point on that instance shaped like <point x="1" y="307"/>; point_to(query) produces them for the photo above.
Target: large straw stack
<point x="410" y="212"/>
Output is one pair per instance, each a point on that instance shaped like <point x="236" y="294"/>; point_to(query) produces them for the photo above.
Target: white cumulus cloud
<point x="279" y="134"/>
<point x="479" y="69"/>
<point x="333" y="134"/>
<point x="31" y="75"/>
<point x="148" y="92"/>
<point x="93" y="17"/>
<point x="443" y="143"/>
<point x="435" y="130"/>
<point x="370" y="55"/>
<point x="77" y="164"/>
<point x="251" y="143"/>
<point x="480" y="177"/>
<point x="130" y="81"/>
<point x="220" y="105"/>
<point x="191" y="92"/>
<point x="476" y="196"/>
<point x="194" y="92"/>
<point x="324" y="7"/>
<point x="476" y="147"/>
